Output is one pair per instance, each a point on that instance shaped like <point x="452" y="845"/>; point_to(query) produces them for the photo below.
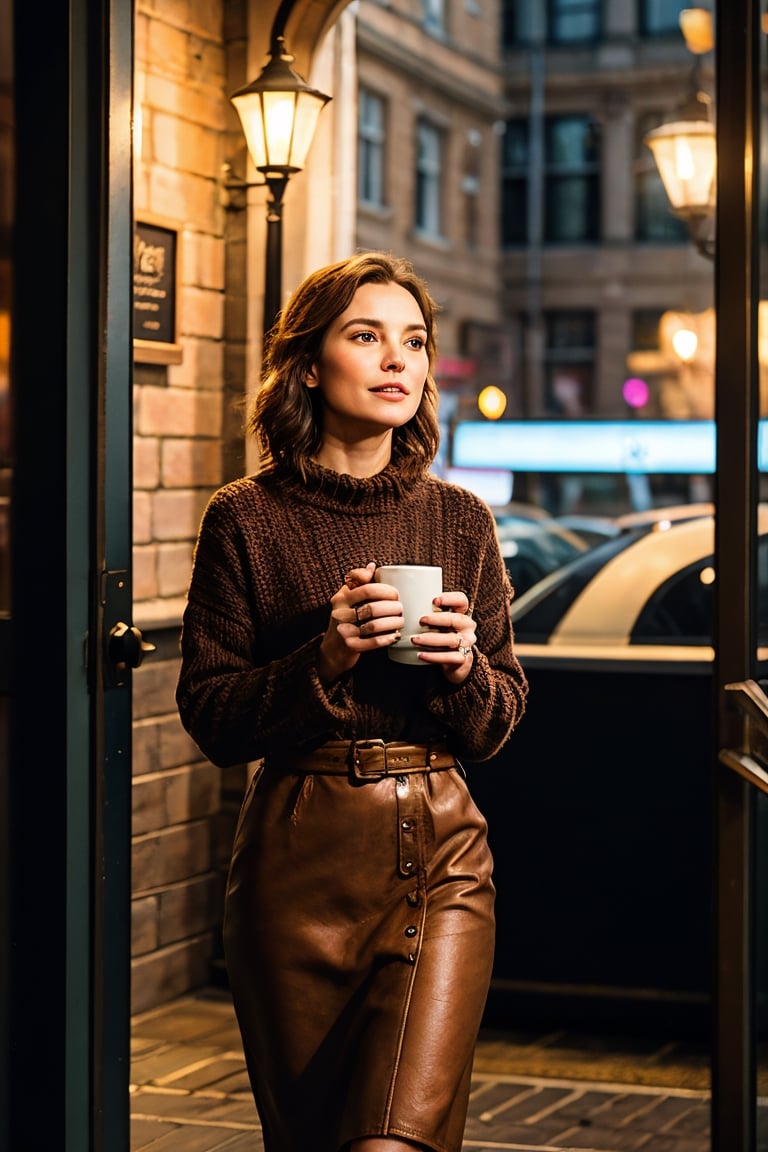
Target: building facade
<point x="593" y="257"/>
<point x="431" y="105"/>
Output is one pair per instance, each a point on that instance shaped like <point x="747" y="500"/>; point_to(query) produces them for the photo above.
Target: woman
<point x="359" y="923"/>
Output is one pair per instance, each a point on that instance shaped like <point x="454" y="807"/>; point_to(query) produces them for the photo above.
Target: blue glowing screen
<point x="654" y="446"/>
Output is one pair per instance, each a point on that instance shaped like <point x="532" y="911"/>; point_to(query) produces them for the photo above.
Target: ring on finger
<point x="358" y="621"/>
<point x="465" y="651"/>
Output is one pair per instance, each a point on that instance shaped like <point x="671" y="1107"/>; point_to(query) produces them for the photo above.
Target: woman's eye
<point x="365" y="337"/>
<point x="416" y="342"/>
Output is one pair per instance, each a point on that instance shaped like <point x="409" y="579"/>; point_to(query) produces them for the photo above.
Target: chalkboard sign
<point x="155" y="299"/>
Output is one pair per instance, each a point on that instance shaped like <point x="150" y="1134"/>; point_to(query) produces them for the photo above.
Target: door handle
<point x="127" y="646"/>
<point x="126" y="649"/>
<point x="122" y="646"/>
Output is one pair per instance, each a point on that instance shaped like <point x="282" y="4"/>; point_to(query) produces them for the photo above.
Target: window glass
<point x="571" y="21"/>
<point x="647" y="362"/>
<point x="645" y="329"/>
<point x="654" y="220"/>
<point x="658" y="17"/>
<point x="680" y="611"/>
<point x="517" y="22"/>
<point x="514" y="183"/>
<point x="569" y="363"/>
<point x="370" y="157"/>
<point x="571" y="209"/>
<point x="470" y="187"/>
<point x="536" y="617"/>
<point x="428" y="178"/>
<point x="434" y="15"/>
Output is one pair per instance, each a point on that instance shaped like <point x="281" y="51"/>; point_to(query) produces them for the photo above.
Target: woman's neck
<point x="361" y="459"/>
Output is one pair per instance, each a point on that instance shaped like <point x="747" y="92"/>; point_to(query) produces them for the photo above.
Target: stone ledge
<point x="162" y="612"/>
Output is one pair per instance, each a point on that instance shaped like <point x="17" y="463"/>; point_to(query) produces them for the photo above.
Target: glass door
<point x="66" y="642"/>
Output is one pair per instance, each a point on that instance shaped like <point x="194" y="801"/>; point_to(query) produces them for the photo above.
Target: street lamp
<point x="685" y="150"/>
<point x="278" y="112"/>
<point x="492" y="402"/>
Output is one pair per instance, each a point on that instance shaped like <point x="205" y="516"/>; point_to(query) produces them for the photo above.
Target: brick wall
<point x="186" y="444"/>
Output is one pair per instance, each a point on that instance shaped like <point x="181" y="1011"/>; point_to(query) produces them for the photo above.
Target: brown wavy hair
<point x="286" y="416"/>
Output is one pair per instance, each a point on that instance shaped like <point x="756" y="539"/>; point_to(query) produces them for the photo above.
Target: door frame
<point x="65" y="968"/>
<point x="734" y="1090"/>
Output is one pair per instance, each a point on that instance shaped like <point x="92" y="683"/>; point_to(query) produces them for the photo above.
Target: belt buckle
<point x="358" y="769"/>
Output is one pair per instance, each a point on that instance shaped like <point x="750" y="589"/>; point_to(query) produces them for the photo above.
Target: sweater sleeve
<point x="234" y="706"/>
<point x="484" y="710"/>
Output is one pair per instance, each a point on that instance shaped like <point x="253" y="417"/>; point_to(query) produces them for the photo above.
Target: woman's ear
<point x="310" y="380"/>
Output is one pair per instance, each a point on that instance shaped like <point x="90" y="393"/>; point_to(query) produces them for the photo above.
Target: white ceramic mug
<point x="417" y="586"/>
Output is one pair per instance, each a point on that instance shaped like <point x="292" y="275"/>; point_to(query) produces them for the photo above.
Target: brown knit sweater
<point x="271" y="552"/>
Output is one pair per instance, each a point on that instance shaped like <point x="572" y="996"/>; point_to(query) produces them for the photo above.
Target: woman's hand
<point x="453" y="639"/>
<point x="365" y="615"/>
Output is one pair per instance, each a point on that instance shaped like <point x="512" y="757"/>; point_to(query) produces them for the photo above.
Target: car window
<point x="531" y="549"/>
<point x="523" y="571"/>
<point x="681" y="610"/>
<point x="546" y="534"/>
<point x="537" y="614"/>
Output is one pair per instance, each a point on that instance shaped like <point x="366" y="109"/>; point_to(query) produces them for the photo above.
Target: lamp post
<point x="685" y="150"/>
<point x="278" y="112"/>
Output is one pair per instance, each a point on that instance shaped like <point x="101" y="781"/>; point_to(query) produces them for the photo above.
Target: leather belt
<point x="374" y="759"/>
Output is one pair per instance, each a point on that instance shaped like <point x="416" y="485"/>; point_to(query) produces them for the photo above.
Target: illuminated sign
<point x="494" y="485"/>
<point x="652" y="446"/>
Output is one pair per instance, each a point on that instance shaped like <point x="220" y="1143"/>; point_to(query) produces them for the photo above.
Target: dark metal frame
<point x="736" y="397"/>
<point x="66" y="786"/>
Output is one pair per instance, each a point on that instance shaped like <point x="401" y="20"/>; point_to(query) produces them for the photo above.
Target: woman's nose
<point x="393" y="360"/>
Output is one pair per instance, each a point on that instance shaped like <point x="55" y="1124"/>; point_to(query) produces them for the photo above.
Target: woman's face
<point x="373" y="363"/>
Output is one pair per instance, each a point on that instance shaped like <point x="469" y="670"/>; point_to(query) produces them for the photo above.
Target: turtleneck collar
<point x="325" y="488"/>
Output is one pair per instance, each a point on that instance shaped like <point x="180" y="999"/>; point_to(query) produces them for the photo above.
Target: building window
<point x="645" y="329"/>
<point x="517" y="23"/>
<point x="434" y="15"/>
<point x="370" y="148"/>
<point x="654" y="220"/>
<point x="569" y="363"/>
<point x="470" y="187"/>
<point x="573" y="21"/>
<point x="659" y="17"/>
<point x="514" y="183"/>
<point x="429" y="147"/>
<point x="572" y="180"/>
<point x="646" y="361"/>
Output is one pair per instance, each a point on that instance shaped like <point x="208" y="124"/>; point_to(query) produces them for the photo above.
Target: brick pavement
<point x="190" y="1094"/>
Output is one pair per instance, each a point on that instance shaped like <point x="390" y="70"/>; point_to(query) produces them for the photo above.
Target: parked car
<point x="659" y="519"/>
<point x="533" y="544"/>
<point x="596" y="529"/>
<point x="643" y="598"/>
<point x="592" y="529"/>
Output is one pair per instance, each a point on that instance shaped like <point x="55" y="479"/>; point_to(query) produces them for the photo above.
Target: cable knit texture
<point x="271" y="552"/>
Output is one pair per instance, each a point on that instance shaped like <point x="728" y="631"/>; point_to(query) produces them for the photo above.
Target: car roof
<point x="606" y="608"/>
<point x="652" y="517"/>
<point x="518" y="520"/>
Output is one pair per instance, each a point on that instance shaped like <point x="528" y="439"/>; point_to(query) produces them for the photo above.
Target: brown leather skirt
<point x="359" y="936"/>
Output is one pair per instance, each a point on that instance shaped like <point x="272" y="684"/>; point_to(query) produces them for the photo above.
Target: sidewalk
<point x="189" y="1089"/>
